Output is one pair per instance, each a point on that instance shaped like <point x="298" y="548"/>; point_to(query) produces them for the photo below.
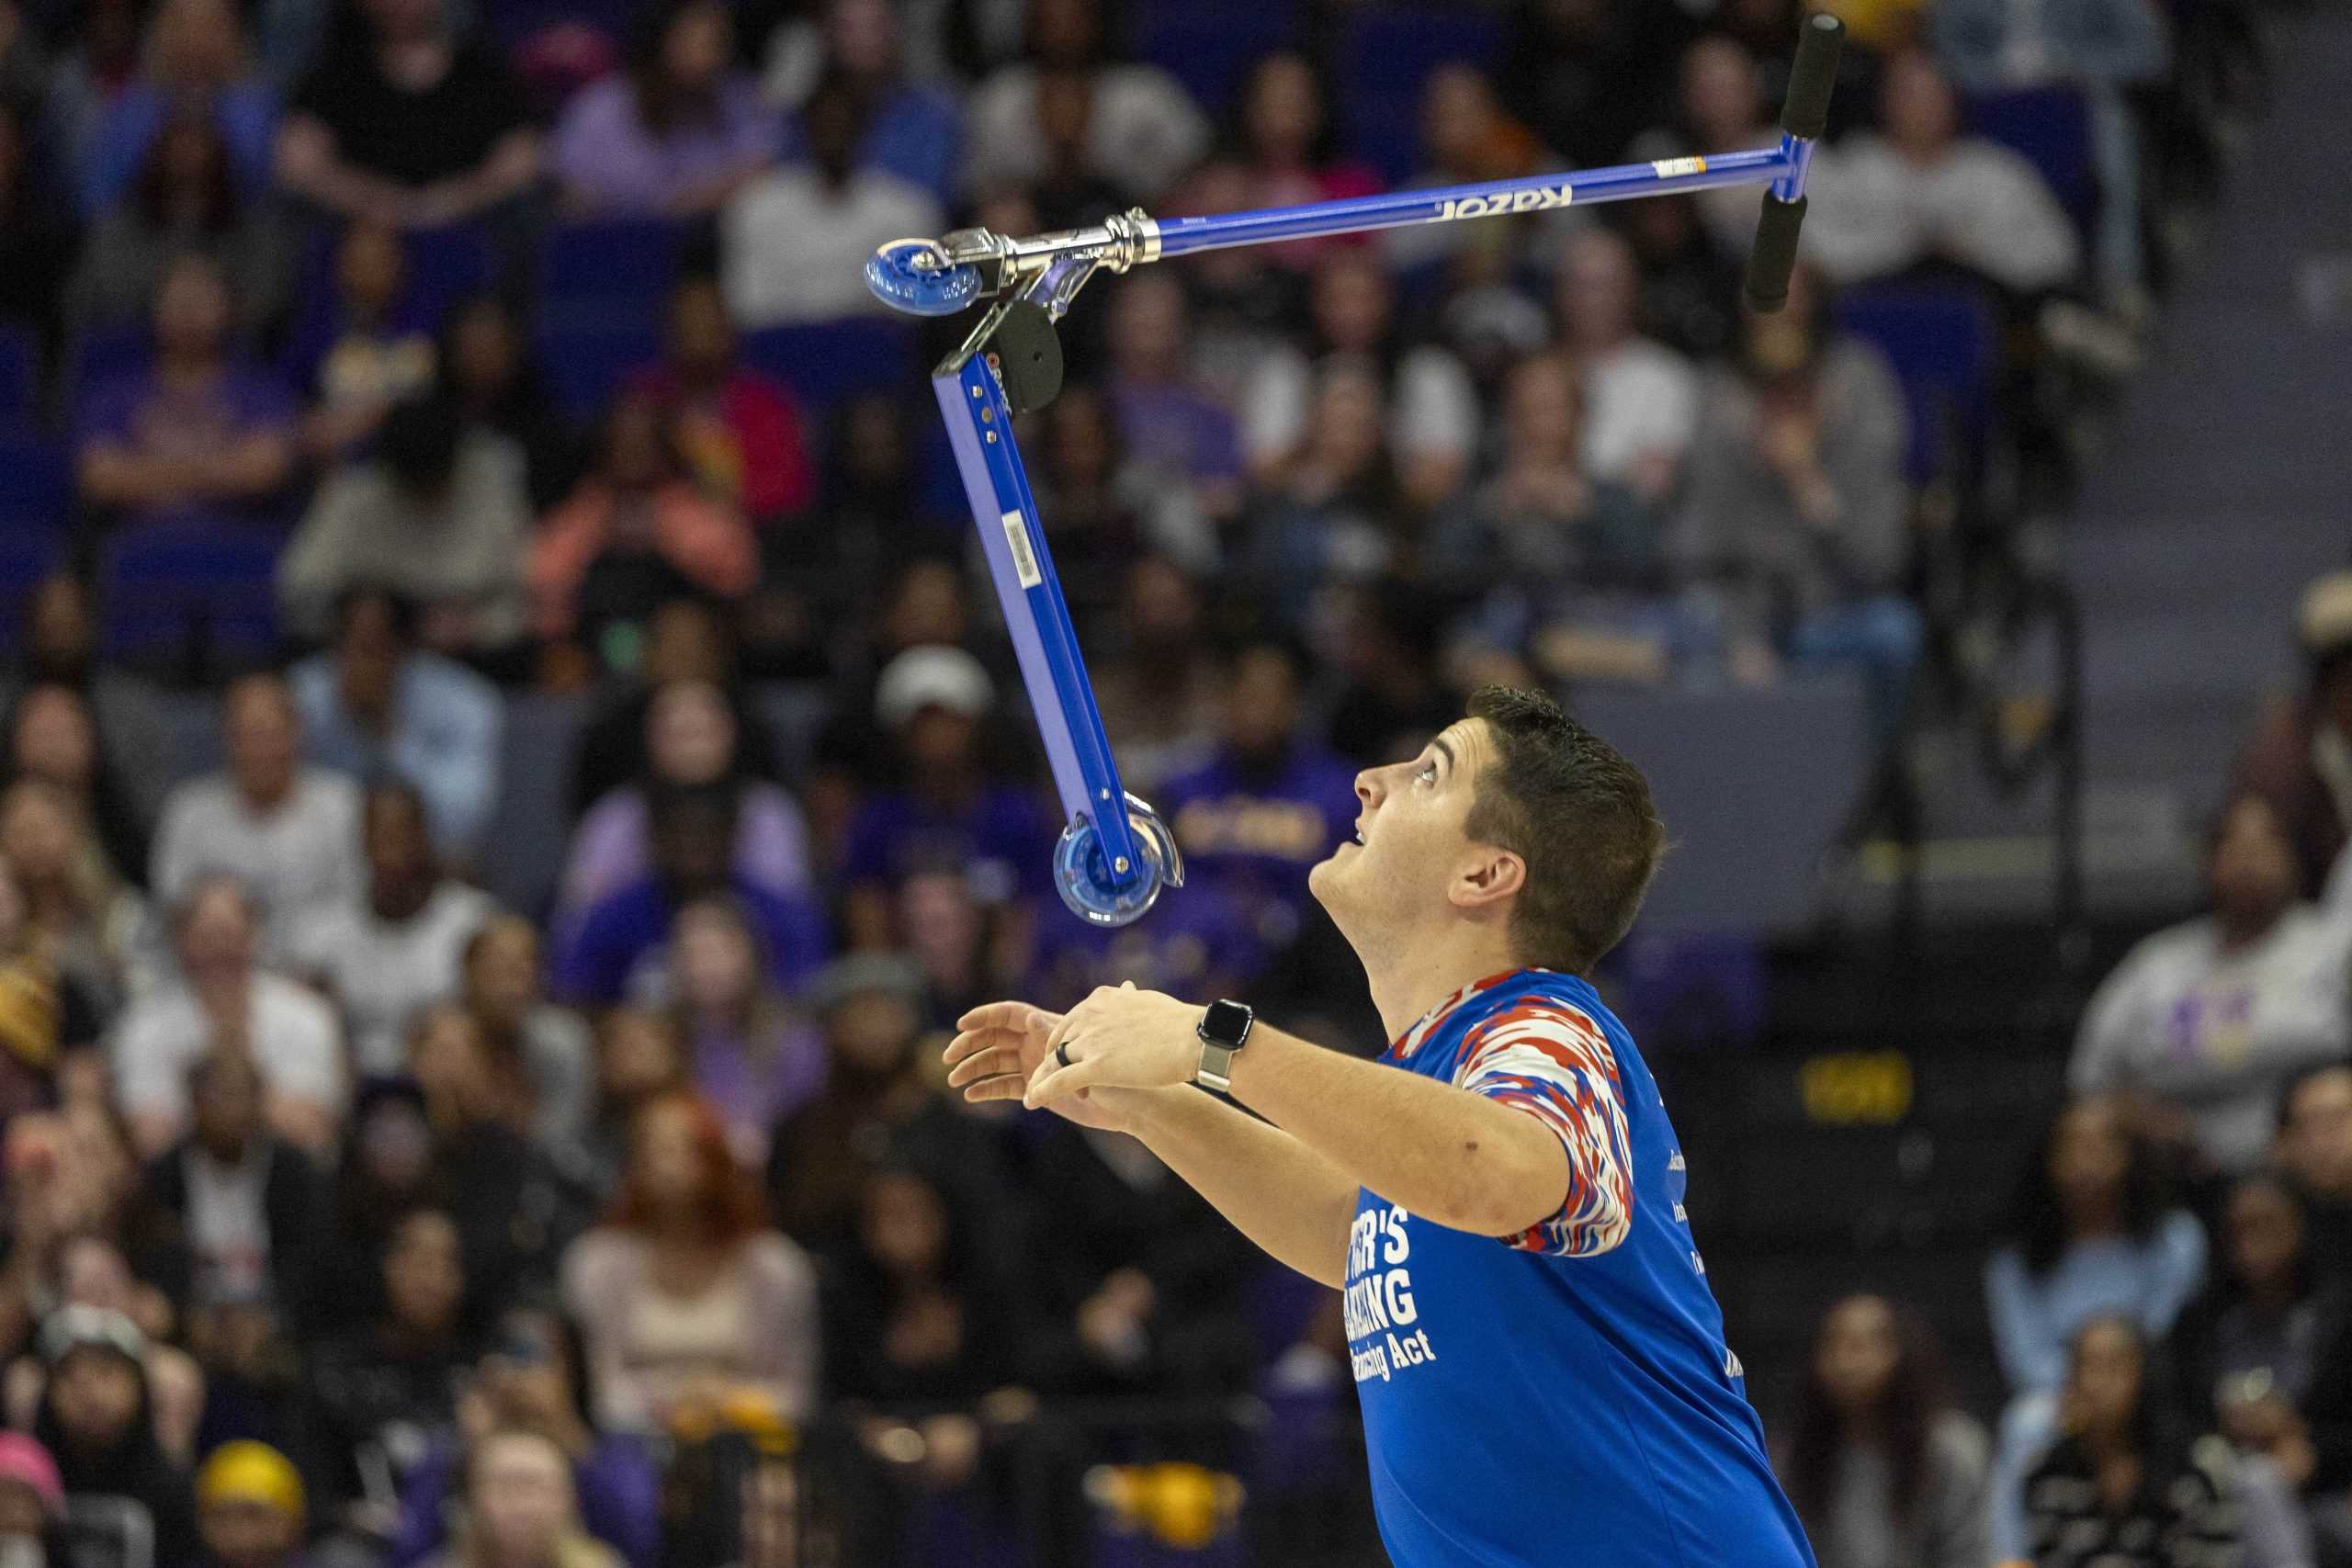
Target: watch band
<point x="1215" y="1070"/>
<point x="1219" y="1047"/>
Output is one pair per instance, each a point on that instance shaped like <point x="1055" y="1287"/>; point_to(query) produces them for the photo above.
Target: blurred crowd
<point x="354" y="1217"/>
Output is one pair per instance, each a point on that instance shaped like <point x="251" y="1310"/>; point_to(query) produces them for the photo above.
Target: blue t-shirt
<point x="1255" y="837"/>
<point x="1000" y="841"/>
<point x="1563" y="1398"/>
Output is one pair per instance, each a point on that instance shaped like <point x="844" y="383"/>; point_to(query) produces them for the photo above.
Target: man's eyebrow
<point x="1444" y="751"/>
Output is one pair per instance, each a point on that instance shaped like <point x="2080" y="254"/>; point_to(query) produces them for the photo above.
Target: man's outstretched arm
<point x="1290" y="1201"/>
<point x="1473" y="1161"/>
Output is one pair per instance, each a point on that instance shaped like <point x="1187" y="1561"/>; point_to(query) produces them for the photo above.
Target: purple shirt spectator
<point x="159" y="421"/>
<point x="1000" y="841"/>
<point x="620" y="1493"/>
<point x="605" y="154"/>
<point x="1179" y="430"/>
<point x="245" y="112"/>
<point x="1197" y="945"/>
<point x="914" y="133"/>
<point x="600" y="963"/>
<point x="612" y="847"/>
<point x="1255" y="832"/>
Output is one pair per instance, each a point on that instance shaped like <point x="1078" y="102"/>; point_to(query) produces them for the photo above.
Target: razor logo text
<point x="1540" y="198"/>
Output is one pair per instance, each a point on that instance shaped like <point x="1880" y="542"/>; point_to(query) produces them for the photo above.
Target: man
<point x="233" y="1213"/>
<point x="390" y="951"/>
<point x="377" y="705"/>
<point x="2300" y="757"/>
<point x="220" y="997"/>
<point x="289" y="832"/>
<point x="1542" y="1367"/>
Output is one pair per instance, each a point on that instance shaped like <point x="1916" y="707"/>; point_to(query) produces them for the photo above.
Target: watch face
<point x="1227" y="1024"/>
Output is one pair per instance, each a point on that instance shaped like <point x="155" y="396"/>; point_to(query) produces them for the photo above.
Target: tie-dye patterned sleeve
<point x="1550" y="1060"/>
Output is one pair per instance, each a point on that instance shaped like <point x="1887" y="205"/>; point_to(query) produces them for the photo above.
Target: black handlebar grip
<point x="1805" y="111"/>
<point x="1775" y="255"/>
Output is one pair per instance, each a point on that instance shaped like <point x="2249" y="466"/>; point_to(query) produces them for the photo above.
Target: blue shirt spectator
<point x="378" y="705"/>
<point x="197" y="63"/>
<point x="909" y="128"/>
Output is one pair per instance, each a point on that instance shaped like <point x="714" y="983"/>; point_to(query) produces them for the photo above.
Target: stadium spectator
<point x="233" y="1213"/>
<point x="1428" y="411"/>
<point x="2300" y="757"/>
<point x="1167" y="423"/>
<point x="1201" y="946"/>
<point x="1641" y="398"/>
<point x="1918" y="190"/>
<point x="221" y="996"/>
<point x="1882" y="1465"/>
<point x="1587" y="78"/>
<point x="250" y="1509"/>
<point x="95" y="1419"/>
<point x="545" y="1051"/>
<point x="1158" y="690"/>
<point x="693" y="831"/>
<point x="380" y="1388"/>
<point x="754" y="1058"/>
<point x="406" y="123"/>
<point x="913" y="124"/>
<point x="686" y="1301"/>
<point x="399" y="946"/>
<point x="2104" y="48"/>
<point x="197" y="63"/>
<point x="521" y="1510"/>
<point x="193" y="434"/>
<point x="289" y="831"/>
<point x="688" y="640"/>
<point x="386" y="1170"/>
<point x="639" y="1057"/>
<point x="2247" y="1348"/>
<point x="1571" y="564"/>
<point x="741" y="433"/>
<point x="375" y="705"/>
<point x="1283" y="137"/>
<point x="1795" y="507"/>
<point x="677" y="133"/>
<point x="795" y="239"/>
<point x="40" y="1014"/>
<point x="2127" y="1485"/>
<point x="535" y="1377"/>
<point x="1395" y="694"/>
<point x="85" y="922"/>
<point x="37" y="237"/>
<point x="2091" y="1234"/>
<point x="2313" y="1147"/>
<point x="438" y="513"/>
<point x="1142" y="132"/>
<point x="61" y="645"/>
<point x="184" y="198"/>
<point x="53" y="737"/>
<point x="1340" y="514"/>
<point x="1269" y="803"/>
<point x="949" y="811"/>
<point x="1467" y="138"/>
<point x="876" y="1106"/>
<point x="364" y="344"/>
<point x="634" y="534"/>
<point x="1723" y="109"/>
<point x="487" y="368"/>
<point x="2213" y="1017"/>
<point x="1690" y="283"/>
<point x="1101" y="509"/>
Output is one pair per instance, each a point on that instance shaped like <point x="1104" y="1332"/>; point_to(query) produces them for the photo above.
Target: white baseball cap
<point x="934" y="675"/>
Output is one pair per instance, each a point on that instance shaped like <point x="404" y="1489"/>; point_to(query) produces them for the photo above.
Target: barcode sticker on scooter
<point x="1025" y="559"/>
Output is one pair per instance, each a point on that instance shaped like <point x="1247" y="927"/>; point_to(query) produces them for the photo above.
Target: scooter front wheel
<point x="916" y="276"/>
<point x="1104" y="893"/>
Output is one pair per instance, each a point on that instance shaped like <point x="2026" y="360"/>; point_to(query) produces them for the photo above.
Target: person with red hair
<point x="692" y="1308"/>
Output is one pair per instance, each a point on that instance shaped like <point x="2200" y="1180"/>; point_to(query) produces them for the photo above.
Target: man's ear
<point x="1489" y="876"/>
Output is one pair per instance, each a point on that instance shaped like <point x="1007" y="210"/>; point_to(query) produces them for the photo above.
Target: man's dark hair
<point x="1580" y="815"/>
<point x="418" y="443"/>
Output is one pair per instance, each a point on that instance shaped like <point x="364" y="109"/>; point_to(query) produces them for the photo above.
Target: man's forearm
<point x="1283" y="1196"/>
<point x="1443" y="1153"/>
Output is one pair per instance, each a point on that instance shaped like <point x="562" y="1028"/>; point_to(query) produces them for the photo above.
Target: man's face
<point x="522" y="1498"/>
<point x="2315" y="1145"/>
<point x="264" y="742"/>
<point x="1413" y="819"/>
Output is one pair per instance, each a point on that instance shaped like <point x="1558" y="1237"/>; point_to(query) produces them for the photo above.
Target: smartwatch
<point x="1224" y="1029"/>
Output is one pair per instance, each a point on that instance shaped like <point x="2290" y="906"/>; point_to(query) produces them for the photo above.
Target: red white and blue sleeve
<point x="1550" y="1060"/>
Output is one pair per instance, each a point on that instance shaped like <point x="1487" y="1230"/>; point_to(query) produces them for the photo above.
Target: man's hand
<point x="997" y="1050"/>
<point x="1118" y="1038"/>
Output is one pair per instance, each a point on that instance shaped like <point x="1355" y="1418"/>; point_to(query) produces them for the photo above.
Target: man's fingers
<point x="973" y="1040"/>
<point x="984" y="1064"/>
<point x="1052" y="1081"/>
<point x="1003" y="1086"/>
<point x="1015" y="1016"/>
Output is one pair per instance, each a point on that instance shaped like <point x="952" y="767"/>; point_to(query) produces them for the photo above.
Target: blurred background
<point x="511" y="764"/>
